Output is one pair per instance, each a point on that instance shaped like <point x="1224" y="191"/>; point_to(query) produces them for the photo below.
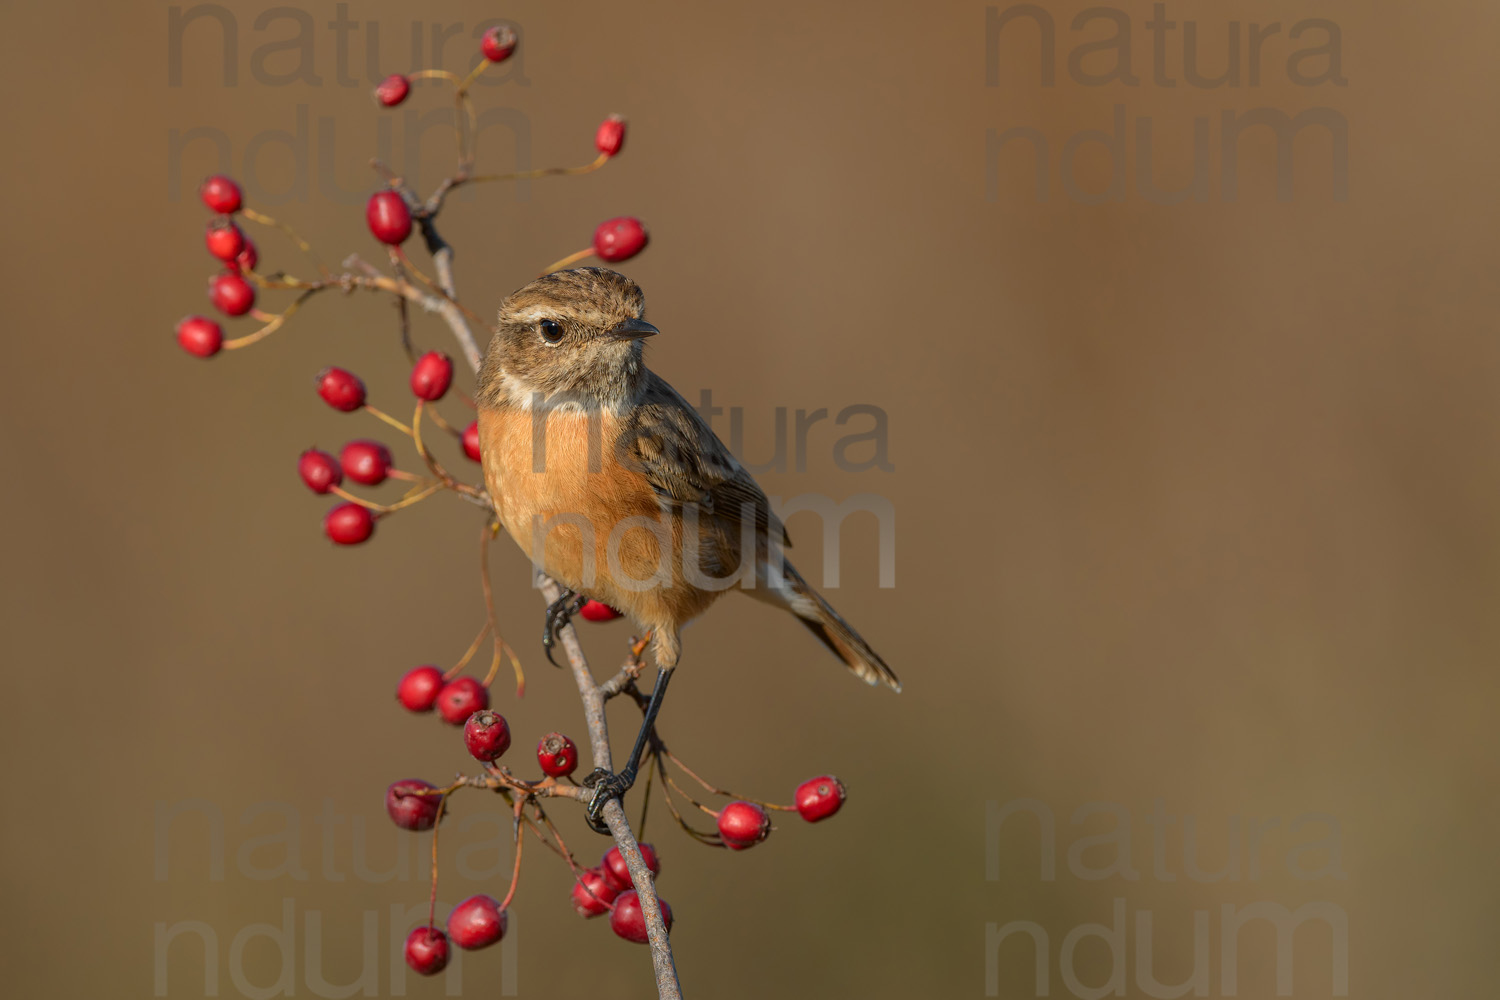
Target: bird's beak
<point x="633" y="329"/>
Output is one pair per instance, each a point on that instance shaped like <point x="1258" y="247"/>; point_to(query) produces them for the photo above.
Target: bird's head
<point x="572" y="336"/>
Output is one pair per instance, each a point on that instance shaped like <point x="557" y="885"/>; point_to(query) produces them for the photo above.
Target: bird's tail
<point x="785" y="587"/>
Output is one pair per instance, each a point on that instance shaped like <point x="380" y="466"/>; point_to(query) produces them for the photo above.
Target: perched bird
<point x="615" y="487"/>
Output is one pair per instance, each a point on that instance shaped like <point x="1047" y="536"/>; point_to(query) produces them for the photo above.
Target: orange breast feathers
<point x="572" y="507"/>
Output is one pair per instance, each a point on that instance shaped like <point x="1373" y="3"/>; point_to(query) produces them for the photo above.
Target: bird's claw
<point x="559" y="613"/>
<point x="606" y="786"/>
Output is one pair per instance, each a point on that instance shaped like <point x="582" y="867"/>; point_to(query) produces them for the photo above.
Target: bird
<point x="615" y="487"/>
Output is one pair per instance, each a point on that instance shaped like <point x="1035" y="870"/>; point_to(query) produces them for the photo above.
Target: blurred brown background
<point x="1194" y="503"/>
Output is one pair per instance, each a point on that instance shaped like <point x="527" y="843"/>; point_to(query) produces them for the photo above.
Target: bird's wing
<point x="686" y="463"/>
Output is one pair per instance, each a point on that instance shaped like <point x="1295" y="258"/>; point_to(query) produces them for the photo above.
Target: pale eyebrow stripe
<point x="535" y="313"/>
<point x="532" y="314"/>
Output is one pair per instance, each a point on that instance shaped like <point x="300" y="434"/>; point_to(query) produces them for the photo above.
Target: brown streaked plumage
<point x="614" y="485"/>
<point x="651" y="456"/>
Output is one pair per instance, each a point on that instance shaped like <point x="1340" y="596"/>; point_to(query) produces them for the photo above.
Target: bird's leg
<point x="559" y="613"/>
<point x="608" y="786"/>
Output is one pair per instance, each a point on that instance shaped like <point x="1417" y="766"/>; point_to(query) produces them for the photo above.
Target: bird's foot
<point x="606" y="786"/>
<point x="559" y="613"/>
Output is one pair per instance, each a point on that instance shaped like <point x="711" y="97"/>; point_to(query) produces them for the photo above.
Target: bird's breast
<point x="553" y="473"/>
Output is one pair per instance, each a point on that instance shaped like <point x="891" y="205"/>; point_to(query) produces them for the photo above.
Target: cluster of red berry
<point x="388" y="214"/>
<point x="230" y="293"/>
<point x="389" y="220"/>
<point x="366" y="461"/>
<point x="414" y="804"/>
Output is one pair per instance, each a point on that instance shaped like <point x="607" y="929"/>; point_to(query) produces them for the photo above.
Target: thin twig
<point x="667" y="985"/>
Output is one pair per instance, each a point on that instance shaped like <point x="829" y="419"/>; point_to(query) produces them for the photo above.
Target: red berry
<point x="427" y="951"/>
<point x="487" y="735"/>
<point x="319" y="470"/>
<point x="477" y="922"/>
<point x="200" y="335"/>
<point x="618" y="873"/>
<point x="248" y="257"/>
<point x="620" y="239"/>
<point x="498" y="43"/>
<point x="592" y="893"/>
<point x="462" y="698"/>
<point x="231" y="294"/>
<point x="224" y="239"/>
<point x="628" y="919"/>
<point x="819" y="798"/>
<point x="598" y="611"/>
<point x="743" y="824"/>
<point x="471" y="440"/>
<point x="221" y="195"/>
<point x="340" y="389"/>
<point x="392" y="90"/>
<point x="611" y="135"/>
<point x="431" y="376"/>
<point x="557" y="754"/>
<point x="411" y="804"/>
<point x="349" y="524"/>
<point x="419" y="688"/>
<point x="388" y="217"/>
<point x="366" y="462"/>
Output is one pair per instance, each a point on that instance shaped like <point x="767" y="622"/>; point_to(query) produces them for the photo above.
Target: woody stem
<point x="667" y="985"/>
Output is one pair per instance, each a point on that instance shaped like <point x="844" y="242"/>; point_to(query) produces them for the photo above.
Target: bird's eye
<point x="552" y="330"/>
